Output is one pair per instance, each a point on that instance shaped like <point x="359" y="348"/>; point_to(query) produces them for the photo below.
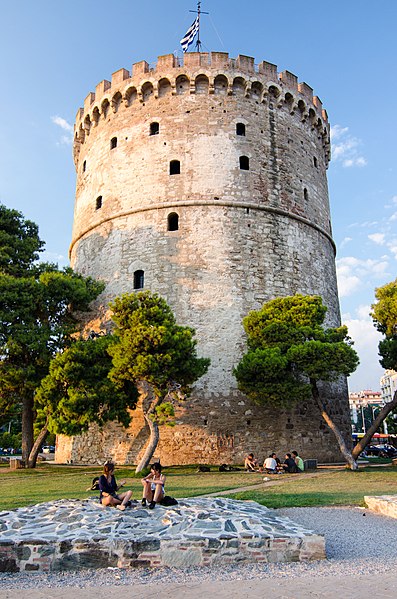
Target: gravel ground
<point x="358" y="542"/>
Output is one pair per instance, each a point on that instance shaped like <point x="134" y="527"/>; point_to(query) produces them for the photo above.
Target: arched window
<point x="154" y="128"/>
<point x="244" y="163"/>
<point x="240" y="129"/>
<point x="173" y="221"/>
<point x="98" y="203"/>
<point x="305" y="194"/>
<point x="139" y="277"/>
<point x="113" y="143"/>
<point x="175" y="167"/>
<point x="84" y="166"/>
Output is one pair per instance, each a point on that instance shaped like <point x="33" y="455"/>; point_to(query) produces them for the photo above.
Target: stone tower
<point x="205" y="181"/>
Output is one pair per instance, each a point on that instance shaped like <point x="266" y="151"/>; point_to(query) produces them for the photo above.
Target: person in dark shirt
<point x="108" y="489"/>
<point x="290" y="465"/>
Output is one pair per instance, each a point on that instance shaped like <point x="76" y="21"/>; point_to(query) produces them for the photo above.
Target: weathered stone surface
<point x="383" y="504"/>
<point x="243" y="237"/>
<point x="191" y="538"/>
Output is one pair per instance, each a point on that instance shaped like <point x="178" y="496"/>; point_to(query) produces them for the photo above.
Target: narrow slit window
<point x="154" y="128"/>
<point x="175" y="167"/>
<point x="305" y="194"/>
<point x="98" y="203"/>
<point x="240" y="129"/>
<point x="315" y="161"/>
<point x="113" y="143"/>
<point x="244" y="163"/>
<point x="173" y="221"/>
<point x="139" y="279"/>
<point x="84" y="166"/>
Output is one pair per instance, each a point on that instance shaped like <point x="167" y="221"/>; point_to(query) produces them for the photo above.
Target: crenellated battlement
<point x="198" y="72"/>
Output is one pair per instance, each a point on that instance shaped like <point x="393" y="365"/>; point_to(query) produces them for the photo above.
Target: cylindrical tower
<point x="206" y="183"/>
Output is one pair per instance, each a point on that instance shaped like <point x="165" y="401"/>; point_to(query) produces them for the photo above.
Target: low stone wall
<point x="63" y="535"/>
<point x="383" y="504"/>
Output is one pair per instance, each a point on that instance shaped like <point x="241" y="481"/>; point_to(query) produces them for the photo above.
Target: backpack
<point x="94" y="485"/>
<point x="168" y="501"/>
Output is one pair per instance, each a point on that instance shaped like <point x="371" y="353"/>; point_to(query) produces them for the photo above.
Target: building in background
<point x="364" y="407"/>
<point x="388" y="385"/>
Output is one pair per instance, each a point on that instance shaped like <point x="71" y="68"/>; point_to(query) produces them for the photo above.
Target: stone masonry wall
<point x="244" y="236"/>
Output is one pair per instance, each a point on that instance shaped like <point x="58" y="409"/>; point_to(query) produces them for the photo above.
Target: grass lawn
<point x="48" y="482"/>
<point x="338" y="487"/>
<point x="332" y="487"/>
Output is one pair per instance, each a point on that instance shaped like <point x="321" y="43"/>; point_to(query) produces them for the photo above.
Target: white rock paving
<point x="201" y="531"/>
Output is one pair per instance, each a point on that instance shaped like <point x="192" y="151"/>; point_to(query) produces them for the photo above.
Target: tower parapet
<point x="259" y="81"/>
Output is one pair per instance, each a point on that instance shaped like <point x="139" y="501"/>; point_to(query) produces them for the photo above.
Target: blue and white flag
<point x="190" y="34"/>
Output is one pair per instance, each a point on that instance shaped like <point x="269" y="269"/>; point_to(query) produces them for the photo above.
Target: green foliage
<point x="165" y="413"/>
<point x="10" y="440"/>
<point x="38" y="315"/>
<point x="151" y="346"/>
<point x="20" y="243"/>
<point x="288" y="347"/>
<point x="391" y="422"/>
<point x="77" y="390"/>
<point x="384" y="314"/>
<point x="39" y="307"/>
<point x="266" y="373"/>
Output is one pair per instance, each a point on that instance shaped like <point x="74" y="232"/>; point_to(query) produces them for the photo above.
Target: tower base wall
<point x="215" y="431"/>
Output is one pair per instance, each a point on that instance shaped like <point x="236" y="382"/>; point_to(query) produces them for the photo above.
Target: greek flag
<point x="190" y="34"/>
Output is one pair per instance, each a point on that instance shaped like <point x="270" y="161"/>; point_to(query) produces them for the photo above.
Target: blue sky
<point x="53" y="52"/>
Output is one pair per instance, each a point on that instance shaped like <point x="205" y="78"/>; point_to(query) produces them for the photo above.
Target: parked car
<point x="48" y="449"/>
<point x="381" y="451"/>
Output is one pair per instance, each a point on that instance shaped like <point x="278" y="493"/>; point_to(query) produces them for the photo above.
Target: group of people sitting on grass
<point x="153" y="488"/>
<point x="292" y="464"/>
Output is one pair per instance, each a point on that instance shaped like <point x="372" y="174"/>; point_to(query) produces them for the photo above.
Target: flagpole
<point x="198" y="43"/>
<point x="199" y="12"/>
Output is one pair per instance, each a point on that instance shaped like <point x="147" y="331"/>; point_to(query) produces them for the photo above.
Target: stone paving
<point x="383" y="504"/>
<point x="63" y="534"/>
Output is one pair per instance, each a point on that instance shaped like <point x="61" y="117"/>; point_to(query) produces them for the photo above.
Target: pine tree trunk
<point x="151" y="446"/>
<point x="36" y="447"/>
<point x="27" y="427"/>
<point x="347" y="454"/>
<point x="149" y="405"/>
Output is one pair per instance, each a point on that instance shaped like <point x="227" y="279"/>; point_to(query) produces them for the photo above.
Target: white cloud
<point x="59" y="259"/>
<point x="366" y="339"/>
<point x="363" y="311"/>
<point x="337" y="131"/>
<point x="345" y="241"/>
<point x="360" y="161"/>
<point x="63" y="124"/>
<point x="346" y="148"/>
<point x="393" y="216"/>
<point x="58" y="120"/>
<point x="352" y="272"/>
<point x="378" y="238"/>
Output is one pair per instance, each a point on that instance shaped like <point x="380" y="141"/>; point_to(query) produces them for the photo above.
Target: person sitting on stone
<point x="153" y="486"/>
<point x="298" y="461"/>
<point x="108" y="488"/>
<point x="289" y="464"/>
<point x="270" y="465"/>
<point x="251" y="463"/>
